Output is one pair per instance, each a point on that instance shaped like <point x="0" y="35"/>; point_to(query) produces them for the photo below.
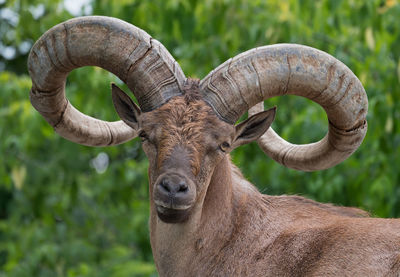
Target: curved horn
<point x="261" y="73"/>
<point x="141" y="62"/>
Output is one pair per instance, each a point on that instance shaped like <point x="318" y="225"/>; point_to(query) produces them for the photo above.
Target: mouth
<point x="172" y="213"/>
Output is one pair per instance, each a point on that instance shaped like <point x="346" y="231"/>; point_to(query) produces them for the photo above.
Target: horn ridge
<point x="298" y="70"/>
<point x="130" y="53"/>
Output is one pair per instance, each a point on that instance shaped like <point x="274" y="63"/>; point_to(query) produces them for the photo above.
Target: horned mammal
<point x="206" y="219"/>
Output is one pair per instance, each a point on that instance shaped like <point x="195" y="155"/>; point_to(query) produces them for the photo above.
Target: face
<point x="184" y="140"/>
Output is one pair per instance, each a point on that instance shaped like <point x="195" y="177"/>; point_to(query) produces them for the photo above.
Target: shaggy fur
<point x="183" y="121"/>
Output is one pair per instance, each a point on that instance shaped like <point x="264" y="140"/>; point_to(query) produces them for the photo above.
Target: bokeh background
<point x="71" y="210"/>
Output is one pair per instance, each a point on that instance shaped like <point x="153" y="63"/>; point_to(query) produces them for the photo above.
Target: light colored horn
<point x="141" y="62"/>
<point x="261" y="73"/>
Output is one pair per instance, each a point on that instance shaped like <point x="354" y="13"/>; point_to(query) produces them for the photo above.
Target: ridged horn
<point x="261" y="73"/>
<point x="141" y="62"/>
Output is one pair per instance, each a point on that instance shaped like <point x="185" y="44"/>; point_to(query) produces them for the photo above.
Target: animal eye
<point x="143" y="136"/>
<point x="224" y="146"/>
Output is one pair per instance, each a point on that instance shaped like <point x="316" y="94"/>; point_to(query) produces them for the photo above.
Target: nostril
<point x="165" y="185"/>
<point x="183" y="187"/>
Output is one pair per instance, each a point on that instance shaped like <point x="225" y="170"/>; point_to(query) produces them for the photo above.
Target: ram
<point x="206" y="219"/>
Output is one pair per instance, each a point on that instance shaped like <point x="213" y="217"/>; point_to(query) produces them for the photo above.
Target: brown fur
<point x="260" y="235"/>
<point x="180" y="125"/>
<point x="234" y="230"/>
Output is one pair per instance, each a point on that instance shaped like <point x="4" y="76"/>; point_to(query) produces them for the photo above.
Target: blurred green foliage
<point x="70" y="210"/>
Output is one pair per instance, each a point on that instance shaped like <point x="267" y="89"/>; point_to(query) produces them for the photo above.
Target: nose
<point x="173" y="186"/>
<point x="174" y="196"/>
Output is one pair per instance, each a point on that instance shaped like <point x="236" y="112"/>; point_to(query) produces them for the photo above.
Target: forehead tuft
<point x="186" y="109"/>
<point x="183" y="110"/>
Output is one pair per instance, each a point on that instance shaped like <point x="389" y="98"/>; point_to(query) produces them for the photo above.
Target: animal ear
<point x="127" y="110"/>
<point x="254" y="127"/>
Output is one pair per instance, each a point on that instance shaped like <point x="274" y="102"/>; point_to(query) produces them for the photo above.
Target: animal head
<point x="184" y="140"/>
<point x="187" y="126"/>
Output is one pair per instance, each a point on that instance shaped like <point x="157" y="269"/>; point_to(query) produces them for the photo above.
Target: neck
<point x="218" y="201"/>
<point x="211" y="224"/>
